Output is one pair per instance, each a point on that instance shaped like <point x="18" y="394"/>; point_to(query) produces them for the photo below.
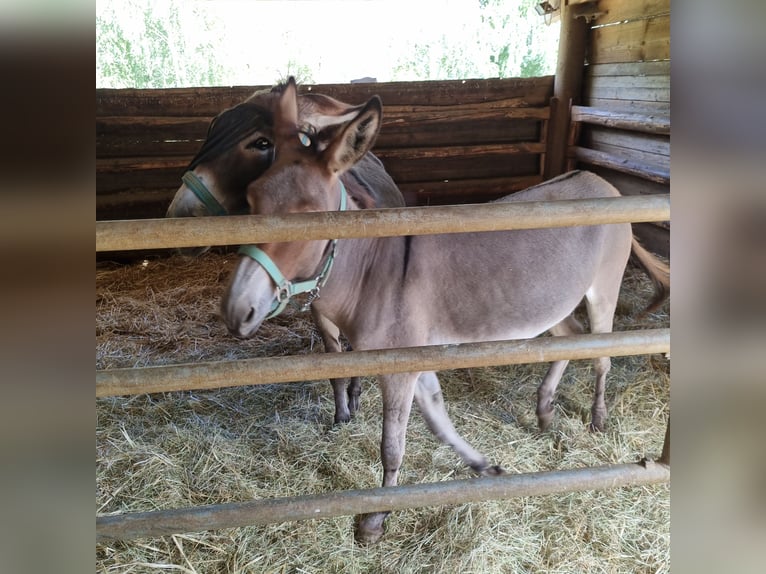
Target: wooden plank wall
<point x="628" y="70"/>
<point x="443" y="142"/>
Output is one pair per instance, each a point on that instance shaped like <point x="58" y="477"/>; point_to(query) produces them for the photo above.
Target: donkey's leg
<point x="601" y="303"/>
<point x="345" y="391"/>
<point x="428" y="395"/>
<point x="601" y="314"/>
<point x="397" y="391"/>
<point x="546" y="390"/>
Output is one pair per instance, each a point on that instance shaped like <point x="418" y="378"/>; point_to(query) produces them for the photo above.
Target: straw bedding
<point x="179" y="449"/>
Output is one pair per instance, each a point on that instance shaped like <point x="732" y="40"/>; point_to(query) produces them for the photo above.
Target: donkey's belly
<point x="505" y="321"/>
<point x="505" y="286"/>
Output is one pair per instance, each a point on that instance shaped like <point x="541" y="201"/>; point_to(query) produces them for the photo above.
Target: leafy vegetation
<point x="162" y="44"/>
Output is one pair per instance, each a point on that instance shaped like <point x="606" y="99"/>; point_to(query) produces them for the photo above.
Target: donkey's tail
<point x="658" y="271"/>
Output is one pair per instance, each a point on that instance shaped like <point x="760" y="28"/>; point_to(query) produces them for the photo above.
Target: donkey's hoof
<point x="494" y="470"/>
<point x="596" y="426"/>
<point x="486" y="470"/>
<point x="342" y="419"/>
<point x="544" y="422"/>
<point x="545" y="418"/>
<point x="368" y="537"/>
<point x="368" y="534"/>
<point x="370" y="528"/>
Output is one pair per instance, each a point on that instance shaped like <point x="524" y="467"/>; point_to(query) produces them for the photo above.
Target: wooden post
<point x="665" y="456"/>
<point x="567" y="84"/>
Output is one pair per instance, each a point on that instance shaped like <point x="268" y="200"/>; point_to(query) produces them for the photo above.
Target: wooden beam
<point x="526" y="92"/>
<point x="645" y="123"/>
<point x="567" y="85"/>
<point x="243" y="229"/>
<point x="645" y="171"/>
<point x="665" y="457"/>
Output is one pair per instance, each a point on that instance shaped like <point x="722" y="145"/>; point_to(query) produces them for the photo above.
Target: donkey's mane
<point x="230" y="127"/>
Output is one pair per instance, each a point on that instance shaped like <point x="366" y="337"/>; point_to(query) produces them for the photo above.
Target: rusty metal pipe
<point x="244" y="229"/>
<point x="262" y="371"/>
<point x="350" y="502"/>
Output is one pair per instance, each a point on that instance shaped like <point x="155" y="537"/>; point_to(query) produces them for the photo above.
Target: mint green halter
<point x="287" y="289"/>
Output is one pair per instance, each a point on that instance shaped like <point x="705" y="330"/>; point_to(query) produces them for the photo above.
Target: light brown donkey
<point x="430" y="289"/>
<point x="238" y="148"/>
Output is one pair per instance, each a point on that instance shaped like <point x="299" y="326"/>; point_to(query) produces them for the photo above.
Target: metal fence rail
<point x="315" y="366"/>
<point x="241" y="229"/>
<point x="196" y="519"/>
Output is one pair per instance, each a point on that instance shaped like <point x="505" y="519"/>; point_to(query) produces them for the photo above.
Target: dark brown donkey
<point x="238" y="148"/>
<point x="429" y="289"/>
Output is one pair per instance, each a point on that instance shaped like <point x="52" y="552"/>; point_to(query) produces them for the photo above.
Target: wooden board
<point x="621" y="10"/>
<point x="207" y="102"/>
<point x="645" y="88"/>
<point x="634" y="69"/>
<point x="637" y="40"/>
<point x="464" y="162"/>
<point x="404" y="165"/>
<point x="442" y="142"/>
<point x="639" y="106"/>
<point x="648" y="143"/>
<point x="642" y="87"/>
<point x="125" y="136"/>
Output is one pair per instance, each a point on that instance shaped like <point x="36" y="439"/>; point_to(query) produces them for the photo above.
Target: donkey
<point x="238" y="148"/>
<point x="430" y="289"/>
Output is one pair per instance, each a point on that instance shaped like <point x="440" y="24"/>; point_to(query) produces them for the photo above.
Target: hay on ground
<point x="179" y="449"/>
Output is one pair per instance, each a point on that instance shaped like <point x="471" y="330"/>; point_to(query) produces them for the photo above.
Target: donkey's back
<point x="514" y="284"/>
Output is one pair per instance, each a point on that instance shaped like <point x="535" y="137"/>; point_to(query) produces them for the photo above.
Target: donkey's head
<point x="310" y="156"/>
<point x="238" y="148"/>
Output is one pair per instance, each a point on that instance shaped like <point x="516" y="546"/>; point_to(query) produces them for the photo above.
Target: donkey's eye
<point x="260" y="143"/>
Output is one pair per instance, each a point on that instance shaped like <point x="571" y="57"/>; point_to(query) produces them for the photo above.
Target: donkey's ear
<point x="356" y="138"/>
<point x="287" y="106"/>
<point x="323" y="112"/>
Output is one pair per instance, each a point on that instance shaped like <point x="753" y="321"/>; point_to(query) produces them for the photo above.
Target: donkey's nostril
<point x="250" y="315"/>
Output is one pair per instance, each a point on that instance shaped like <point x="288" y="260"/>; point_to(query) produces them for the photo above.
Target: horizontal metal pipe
<point x="261" y="371"/>
<point x="242" y="229"/>
<point x="350" y="502"/>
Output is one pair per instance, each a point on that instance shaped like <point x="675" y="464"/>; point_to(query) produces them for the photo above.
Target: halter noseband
<point x="203" y="194"/>
<point x="287" y="289"/>
<point x="200" y="190"/>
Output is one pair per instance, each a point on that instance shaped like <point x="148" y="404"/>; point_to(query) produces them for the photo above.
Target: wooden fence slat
<point x="629" y="105"/>
<point x="521" y="92"/>
<point x="628" y="141"/>
<point x="645" y="123"/>
<point x="464" y="191"/>
<point x="637" y="40"/>
<point x="620" y="10"/>
<point x="351" y="502"/>
<point x="243" y="229"/>
<point x="483" y="122"/>
<point x="634" y="69"/>
<point x="593" y="157"/>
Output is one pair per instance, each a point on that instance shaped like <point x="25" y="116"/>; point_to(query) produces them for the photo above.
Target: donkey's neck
<point x="367" y="280"/>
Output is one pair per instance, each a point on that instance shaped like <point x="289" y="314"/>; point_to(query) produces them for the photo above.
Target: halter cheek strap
<point x="198" y="188"/>
<point x="287" y="289"/>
